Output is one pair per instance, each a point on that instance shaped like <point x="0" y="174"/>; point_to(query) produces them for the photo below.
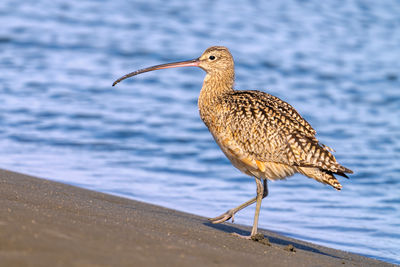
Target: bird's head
<point x="216" y="59"/>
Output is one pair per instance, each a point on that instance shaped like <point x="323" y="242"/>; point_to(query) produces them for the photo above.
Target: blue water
<point x="337" y="63"/>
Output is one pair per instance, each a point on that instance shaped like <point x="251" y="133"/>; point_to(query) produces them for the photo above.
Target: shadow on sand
<point x="273" y="240"/>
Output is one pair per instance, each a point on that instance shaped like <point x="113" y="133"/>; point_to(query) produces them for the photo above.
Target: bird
<point x="262" y="135"/>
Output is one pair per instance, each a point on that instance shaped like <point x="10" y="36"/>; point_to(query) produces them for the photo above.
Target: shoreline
<point x="47" y="223"/>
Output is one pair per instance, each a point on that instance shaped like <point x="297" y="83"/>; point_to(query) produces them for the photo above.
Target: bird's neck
<point x="215" y="87"/>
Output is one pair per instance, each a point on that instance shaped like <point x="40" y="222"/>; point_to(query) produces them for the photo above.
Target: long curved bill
<point x="188" y="63"/>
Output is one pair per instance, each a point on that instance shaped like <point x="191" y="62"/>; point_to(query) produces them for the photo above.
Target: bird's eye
<point x="211" y="57"/>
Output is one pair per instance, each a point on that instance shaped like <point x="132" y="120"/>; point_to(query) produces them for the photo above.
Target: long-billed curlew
<point x="261" y="135"/>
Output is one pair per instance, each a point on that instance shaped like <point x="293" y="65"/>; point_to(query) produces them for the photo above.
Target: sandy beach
<point x="46" y="223"/>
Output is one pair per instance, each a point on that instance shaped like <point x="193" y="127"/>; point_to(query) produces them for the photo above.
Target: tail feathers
<point x="331" y="180"/>
<point x="343" y="175"/>
<point x="343" y="172"/>
<point x="322" y="176"/>
<point x="347" y="170"/>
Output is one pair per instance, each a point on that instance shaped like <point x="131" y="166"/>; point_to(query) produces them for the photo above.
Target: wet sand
<point x="45" y="223"/>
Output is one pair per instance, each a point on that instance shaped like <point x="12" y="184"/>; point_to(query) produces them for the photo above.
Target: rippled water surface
<point x="337" y="63"/>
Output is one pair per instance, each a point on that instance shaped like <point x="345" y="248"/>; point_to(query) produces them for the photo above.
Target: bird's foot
<point x="248" y="237"/>
<point x="256" y="237"/>
<point x="224" y="217"/>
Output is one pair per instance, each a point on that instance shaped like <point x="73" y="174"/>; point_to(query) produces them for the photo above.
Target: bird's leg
<point x="260" y="194"/>
<point x="231" y="213"/>
<point x="262" y="191"/>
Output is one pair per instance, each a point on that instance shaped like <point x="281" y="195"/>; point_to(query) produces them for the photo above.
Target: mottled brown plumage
<point x="262" y="135"/>
<point x="260" y="129"/>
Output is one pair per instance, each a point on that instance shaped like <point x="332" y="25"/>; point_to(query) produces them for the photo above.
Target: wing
<point x="268" y="129"/>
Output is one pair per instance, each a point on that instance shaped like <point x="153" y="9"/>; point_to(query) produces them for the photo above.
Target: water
<point x="336" y="62"/>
